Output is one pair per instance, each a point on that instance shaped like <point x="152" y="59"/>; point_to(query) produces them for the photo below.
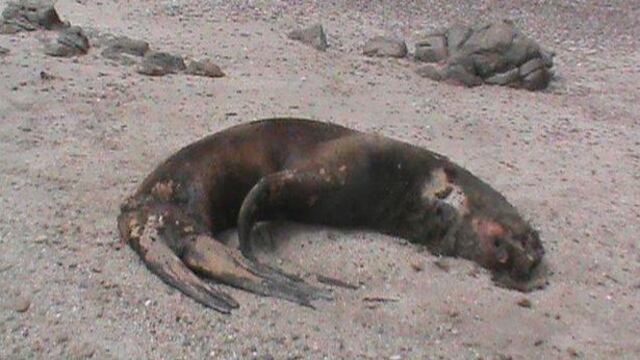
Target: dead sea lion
<point x="312" y="172"/>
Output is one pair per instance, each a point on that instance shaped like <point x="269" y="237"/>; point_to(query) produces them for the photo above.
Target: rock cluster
<point x="496" y="53"/>
<point x="30" y="15"/>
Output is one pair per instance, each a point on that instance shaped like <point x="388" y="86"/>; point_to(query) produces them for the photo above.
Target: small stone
<point x="442" y="264"/>
<point x="204" y="68"/>
<point x="71" y="42"/>
<point x="313" y="36"/>
<point x="573" y="352"/>
<point x="123" y="44"/>
<point x="161" y="63"/>
<point x="3" y="51"/>
<point x="431" y="72"/>
<point x="21" y="304"/>
<point x="81" y="350"/>
<point x="431" y="49"/>
<point x="382" y="46"/>
<point x="416" y="265"/>
<point x="525" y="303"/>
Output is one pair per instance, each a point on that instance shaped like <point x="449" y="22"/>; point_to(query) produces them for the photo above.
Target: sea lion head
<point x="491" y="232"/>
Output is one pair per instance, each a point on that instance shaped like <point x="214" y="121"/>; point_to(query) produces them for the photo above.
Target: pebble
<point x="525" y="303"/>
<point x="21" y="303"/>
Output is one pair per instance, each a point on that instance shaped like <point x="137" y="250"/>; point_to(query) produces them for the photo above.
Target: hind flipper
<point x="214" y="260"/>
<point x="162" y="261"/>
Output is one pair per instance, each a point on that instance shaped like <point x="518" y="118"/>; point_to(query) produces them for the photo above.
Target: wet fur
<point x="319" y="173"/>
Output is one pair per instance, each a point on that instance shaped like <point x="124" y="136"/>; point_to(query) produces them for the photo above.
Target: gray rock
<point x="494" y="37"/>
<point x="537" y="80"/>
<point x="3" y="51"/>
<point x="71" y="42"/>
<point x="385" y="47"/>
<point x="547" y="57"/>
<point x="456" y="36"/>
<point x="485" y="64"/>
<point x="531" y="66"/>
<point x="430" y="72"/>
<point x="458" y="74"/>
<point x="521" y="50"/>
<point x="313" y="36"/>
<point x="431" y="49"/>
<point x="505" y="78"/>
<point x="125" y="45"/>
<point x="161" y="63"/>
<point x="29" y="15"/>
<point x="204" y="68"/>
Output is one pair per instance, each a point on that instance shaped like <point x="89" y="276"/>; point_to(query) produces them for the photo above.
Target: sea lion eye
<point x="497" y="242"/>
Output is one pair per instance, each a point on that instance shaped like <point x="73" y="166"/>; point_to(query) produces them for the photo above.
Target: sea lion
<point x="313" y="172"/>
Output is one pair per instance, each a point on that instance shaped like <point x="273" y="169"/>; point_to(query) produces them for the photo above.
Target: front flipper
<point x="162" y="261"/>
<point x="214" y="260"/>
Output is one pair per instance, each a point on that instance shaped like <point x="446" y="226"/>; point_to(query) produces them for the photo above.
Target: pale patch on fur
<point x="163" y="190"/>
<point x="438" y="188"/>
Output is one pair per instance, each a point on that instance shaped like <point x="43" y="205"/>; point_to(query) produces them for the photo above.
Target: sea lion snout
<point x="508" y="249"/>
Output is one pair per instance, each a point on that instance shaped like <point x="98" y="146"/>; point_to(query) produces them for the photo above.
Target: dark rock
<point x="385" y="47"/>
<point x="204" y="68"/>
<point x="431" y="72"/>
<point x="431" y="49"/>
<point x="313" y="35"/>
<point x="459" y="75"/>
<point x="3" y="51"/>
<point x="456" y="37"/>
<point x="537" y="80"/>
<point x="161" y="63"/>
<point x="508" y="77"/>
<point x="29" y="15"/>
<point x="71" y="42"/>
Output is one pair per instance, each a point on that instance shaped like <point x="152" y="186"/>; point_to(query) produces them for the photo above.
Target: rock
<point x="125" y="45"/>
<point x="29" y="15"/>
<point x="313" y="36"/>
<point x="521" y="50"/>
<point x="525" y="303"/>
<point x="531" y="66"/>
<point x="431" y="49"/>
<point x="81" y="350"/>
<point x="161" y="63"/>
<point x="385" y="47"/>
<point x="456" y="37"/>
<point x="488" y="63"/>
<point x="204" y="68"/>
<point x="459" y="75"/>
<point x="21" y="303"/>
<point x="496" y="52"/>
<point x="537" y="80"/>
<point x="493" y="37"/>
<point x="71" y="42"/>
<point x="508" y="77"/>
<point x="430" y="72"/>
<point x="3" y="51"/>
